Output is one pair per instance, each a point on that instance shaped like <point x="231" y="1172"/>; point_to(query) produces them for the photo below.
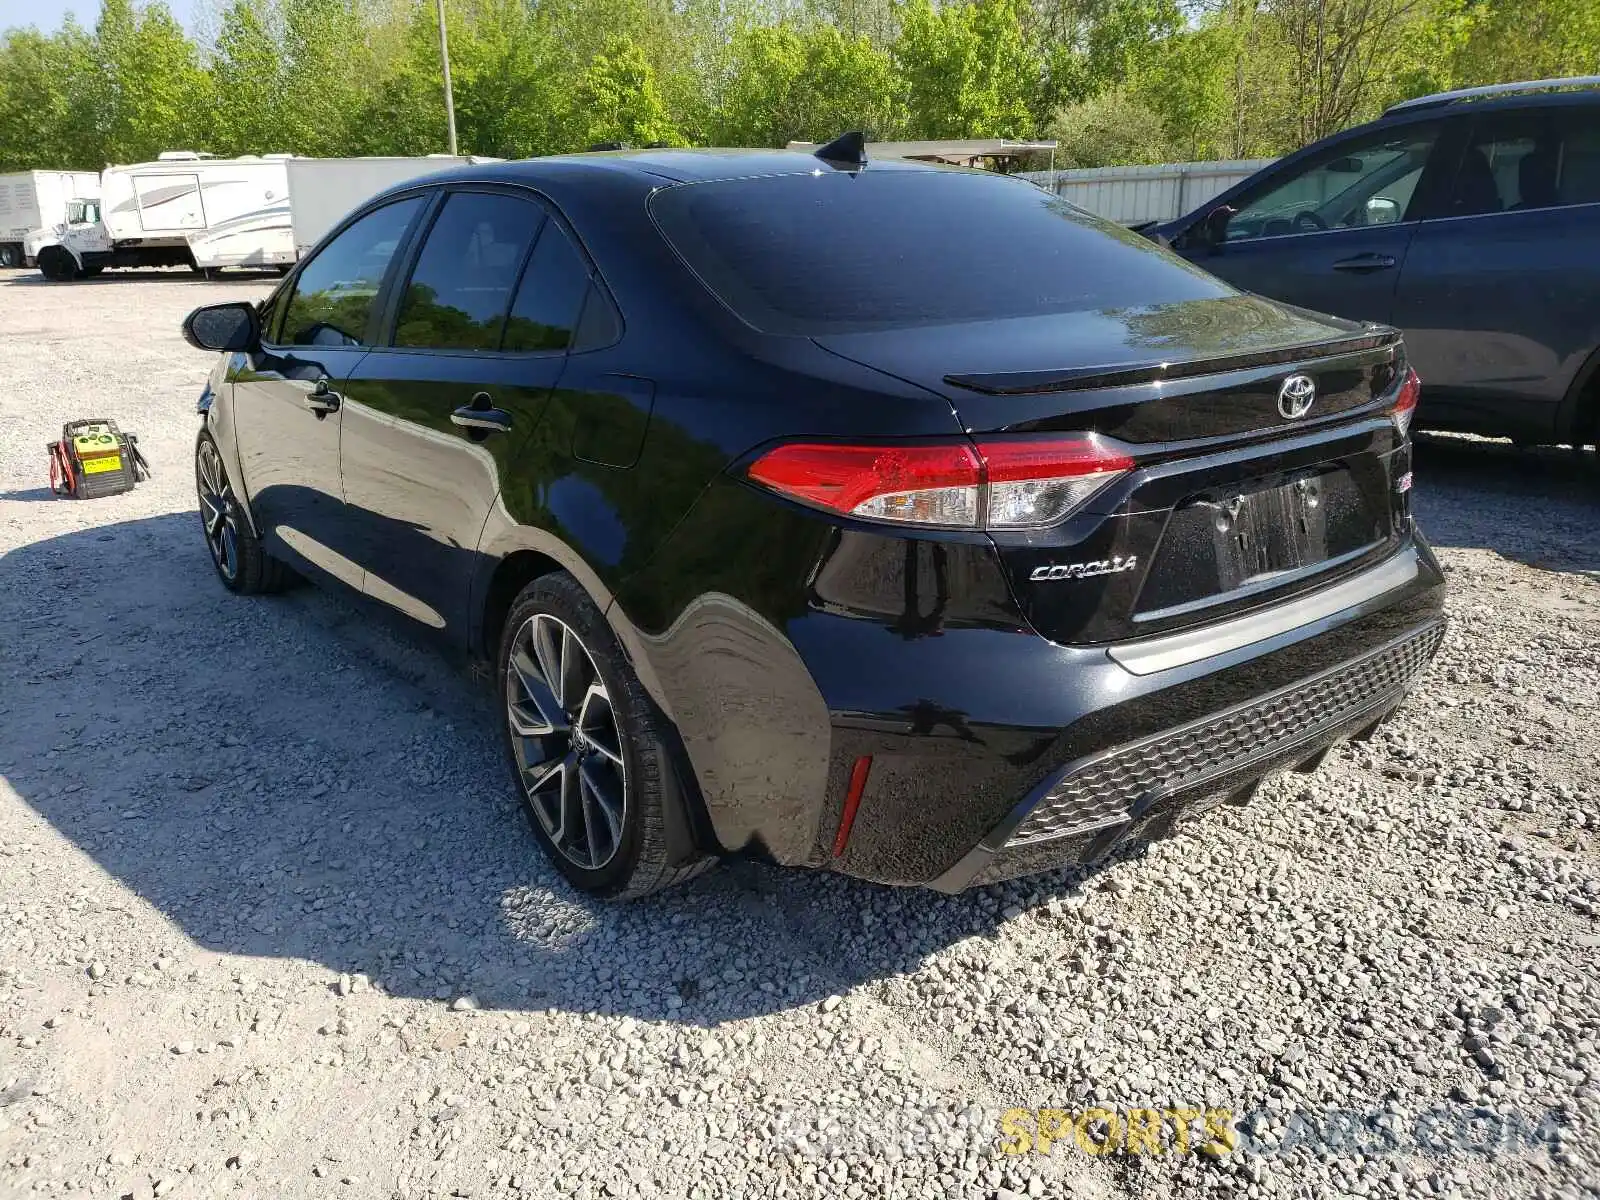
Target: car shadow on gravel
<point x="289" y="777"/>
<point x="1463" y="485"/>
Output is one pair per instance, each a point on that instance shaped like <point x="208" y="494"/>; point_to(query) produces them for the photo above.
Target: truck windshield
<point x="83" y="212"/>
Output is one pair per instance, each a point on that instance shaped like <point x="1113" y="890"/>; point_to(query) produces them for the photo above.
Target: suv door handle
<point x="1361" y="264"/>
<point x="322" y="399"/>
<point x="482" y="415"/>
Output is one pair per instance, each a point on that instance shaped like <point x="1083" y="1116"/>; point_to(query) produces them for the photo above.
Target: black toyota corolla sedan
<point x="893" y="519"/>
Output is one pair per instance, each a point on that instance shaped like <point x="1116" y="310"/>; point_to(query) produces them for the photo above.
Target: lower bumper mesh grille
<point x="1103" y="790"/>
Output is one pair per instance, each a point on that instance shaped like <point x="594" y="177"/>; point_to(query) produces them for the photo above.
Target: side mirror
<point x="1382" y="210"/>
<point x="232" y="326"/>
<point x="1214" y="225"/>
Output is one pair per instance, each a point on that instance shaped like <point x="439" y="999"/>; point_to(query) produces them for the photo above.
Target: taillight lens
<point x="1405" y="404"/>
<point x="1004" y="483"/>
<point x="1035" y="482"/>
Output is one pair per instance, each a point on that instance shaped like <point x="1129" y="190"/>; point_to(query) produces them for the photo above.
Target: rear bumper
<point x="1138" y="791"/>
<point x="1108" y="754"/>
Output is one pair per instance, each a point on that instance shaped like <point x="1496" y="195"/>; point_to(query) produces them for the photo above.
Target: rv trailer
<point x="31" y="200"/>
<point x="323" y="190"/>
<point x="185" y="209"/>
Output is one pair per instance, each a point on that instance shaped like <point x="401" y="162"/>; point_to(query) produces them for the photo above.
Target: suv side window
<point x="335" y="291"/>
<point x="1359" y="183"/>
<point x="1536" y="158"/>
<point x="550" y="295"/>
<point x="460" y="289"/>
<point x="1578" y="175"/>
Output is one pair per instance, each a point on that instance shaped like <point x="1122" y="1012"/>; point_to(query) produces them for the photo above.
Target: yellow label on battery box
<point x="98" y="466"/>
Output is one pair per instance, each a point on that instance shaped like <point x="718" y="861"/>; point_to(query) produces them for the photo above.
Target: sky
<point x="48" y="14"/>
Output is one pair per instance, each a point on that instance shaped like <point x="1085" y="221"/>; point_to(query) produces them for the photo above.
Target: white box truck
<point x="323" y="190"/>
<point x="31" y="200"/>
<point x="185" y="209"/>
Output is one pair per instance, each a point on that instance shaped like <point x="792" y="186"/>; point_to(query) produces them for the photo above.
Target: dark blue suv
<point x="1469" y="219"/>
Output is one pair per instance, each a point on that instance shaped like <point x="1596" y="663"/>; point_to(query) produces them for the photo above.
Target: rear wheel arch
<point x="1578" y="419"/>
<point x="529" y="553"/>
<point x="511" y="574"/>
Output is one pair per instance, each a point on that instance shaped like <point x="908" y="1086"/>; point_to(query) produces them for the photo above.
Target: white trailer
<point x="185" y="209"/>
<point x="30" y="200"/>
<point x="323" y="190"/>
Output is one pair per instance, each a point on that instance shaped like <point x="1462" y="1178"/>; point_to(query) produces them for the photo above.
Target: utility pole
<point x="449" y="95"/>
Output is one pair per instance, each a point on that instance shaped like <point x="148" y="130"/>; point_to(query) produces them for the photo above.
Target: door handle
<point x="1363" y="264"/>
<point x="482" y="415"/>
<point x="322" y="399"/>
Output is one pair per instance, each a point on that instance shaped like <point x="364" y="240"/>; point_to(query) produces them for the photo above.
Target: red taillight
<point x="1405" y="404"/>
<point x="1004" y="483"/>
<point x="929" y="485"/>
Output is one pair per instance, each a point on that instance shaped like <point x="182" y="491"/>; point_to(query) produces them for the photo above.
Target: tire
<point x="594" y="749"/>
<point x="10" y="255"/>
<point x="236" y="553"/>
<point x="57" y="265"/>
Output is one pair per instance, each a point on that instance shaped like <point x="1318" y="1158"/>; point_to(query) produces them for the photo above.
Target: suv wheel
<point x="586" y="745"/>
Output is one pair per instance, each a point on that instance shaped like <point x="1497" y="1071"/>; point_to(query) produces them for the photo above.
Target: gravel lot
<point x="270" y="924"/>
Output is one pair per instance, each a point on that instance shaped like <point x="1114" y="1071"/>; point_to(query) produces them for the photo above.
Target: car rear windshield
<point x="841" y="252"/>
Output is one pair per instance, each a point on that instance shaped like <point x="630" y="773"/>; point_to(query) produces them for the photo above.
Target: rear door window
<point x="1578" y="174"/>
<point x="831" y="252"/>
<point x="550" y="296"/>
<point x="460" y="289"/>
<point x="335" y="291"/>
<point x="1536" y="158"/>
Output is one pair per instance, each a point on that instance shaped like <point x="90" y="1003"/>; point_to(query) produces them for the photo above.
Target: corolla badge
<point x="1085" y="570"/>
<point x="1295" y="395"/>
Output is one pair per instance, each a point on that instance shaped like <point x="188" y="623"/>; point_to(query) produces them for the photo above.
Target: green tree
<point x="38" y="78"/>
<point x="617" y="99"/>
<point x="328" y="69"/>
<point x="968" y="69"/>
<point x="1185" y="81"/>
<point x="247" y="79"/>
<point x="808" y="83"/>
<point x="1461" y="43"/>
<point x="1112" y="129"/>
<point x="149" y="92"/>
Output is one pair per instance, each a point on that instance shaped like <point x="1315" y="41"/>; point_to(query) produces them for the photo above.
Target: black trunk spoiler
<point x="1077" y="379"/>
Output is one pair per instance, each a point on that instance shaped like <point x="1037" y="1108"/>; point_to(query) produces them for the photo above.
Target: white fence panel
<point x="1155" y="193"/>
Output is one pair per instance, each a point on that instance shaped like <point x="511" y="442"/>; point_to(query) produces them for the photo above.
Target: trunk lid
<point x="1236" y="501"/>
<point x="1193" y="369"/>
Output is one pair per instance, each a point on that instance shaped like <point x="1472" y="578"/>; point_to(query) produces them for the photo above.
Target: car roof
<point x="1558" y="93"/>
<point x="672" y="165"/>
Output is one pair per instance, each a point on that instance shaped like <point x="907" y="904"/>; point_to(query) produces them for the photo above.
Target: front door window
<point x="1372" y="181"/>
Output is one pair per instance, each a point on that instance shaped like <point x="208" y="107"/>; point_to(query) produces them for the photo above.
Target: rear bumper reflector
<point x="1149" y="655"/>
<point x="852" y="801"/>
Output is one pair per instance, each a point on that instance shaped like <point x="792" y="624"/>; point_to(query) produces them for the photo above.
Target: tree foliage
<point x="1114" y="80"/>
